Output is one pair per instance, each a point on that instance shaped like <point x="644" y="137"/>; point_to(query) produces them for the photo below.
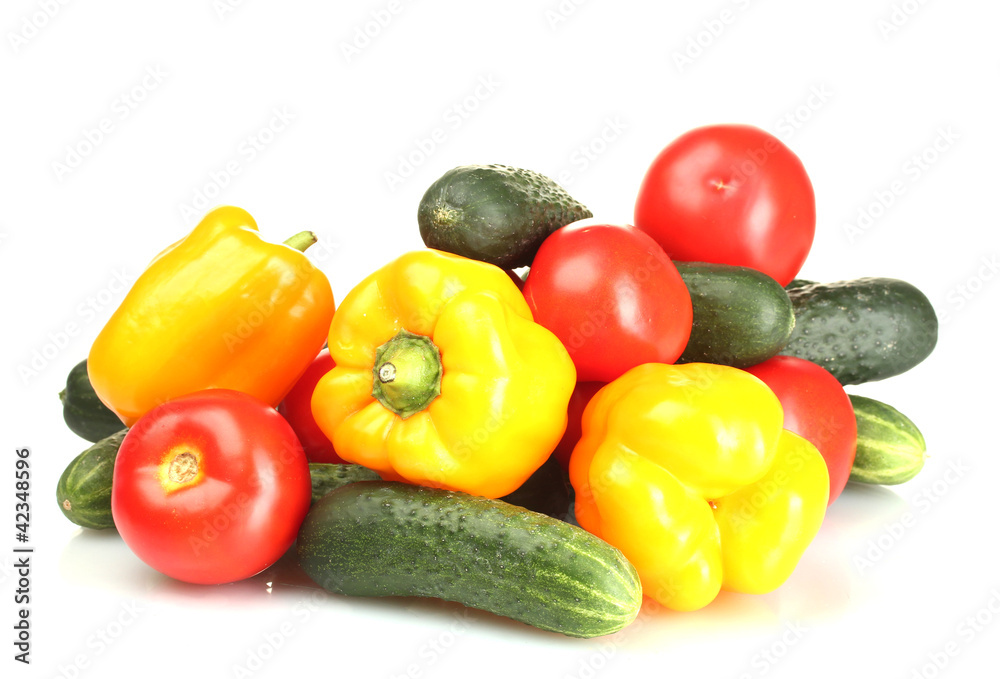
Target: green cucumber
<point x="741" y="316"/>
<point x="798" y="283"/>
<point x="862" y="330"/>
<point x="392" y="539"/>
<point x="83" y="411"/>
<point x="84" y="489"/>
<point x="891" y="449"/>
<point x="494" y="213"/>
<point x="327" y="476"/>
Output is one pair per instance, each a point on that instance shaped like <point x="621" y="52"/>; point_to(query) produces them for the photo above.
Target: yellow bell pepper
<point x="220" y="308"/>
<point x="442" y="378"/>
<point x="687" y="470"/>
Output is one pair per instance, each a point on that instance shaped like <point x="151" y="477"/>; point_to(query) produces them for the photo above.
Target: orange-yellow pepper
<point x="442" y="378"/>
<point x="687" y="470"/>
<point x="220" y="308"/>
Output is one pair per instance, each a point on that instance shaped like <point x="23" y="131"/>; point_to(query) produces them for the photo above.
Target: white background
<point x="587" y="91"/>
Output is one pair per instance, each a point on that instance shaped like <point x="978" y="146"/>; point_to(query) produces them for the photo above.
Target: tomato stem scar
<point x="183" y="468"/>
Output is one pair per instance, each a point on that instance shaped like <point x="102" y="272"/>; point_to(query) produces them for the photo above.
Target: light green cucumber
<point x="891" y="449"/>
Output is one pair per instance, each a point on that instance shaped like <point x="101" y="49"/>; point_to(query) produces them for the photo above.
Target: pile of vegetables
<point x="651" y="409"/>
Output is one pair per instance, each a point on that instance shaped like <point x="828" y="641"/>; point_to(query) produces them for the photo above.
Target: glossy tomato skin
<point x="296" y="407"/>
<point x="211" y="487"/>
<point x="730" y="194"/>
<point x="611" y="295"/>
<point x="816" y="408"/>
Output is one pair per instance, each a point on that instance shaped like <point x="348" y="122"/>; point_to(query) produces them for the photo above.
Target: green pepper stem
<point x="406" y="376"/>
<point x="301" y="240"/>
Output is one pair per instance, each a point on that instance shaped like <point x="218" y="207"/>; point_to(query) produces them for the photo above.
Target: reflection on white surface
<point x="279" y="622"/>
<point x="823" y="586"/>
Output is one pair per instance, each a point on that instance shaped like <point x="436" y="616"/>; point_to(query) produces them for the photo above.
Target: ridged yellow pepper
<point x="442" y="378"/>
<point x="220" y="308"/>
<point x="687" y="470"/>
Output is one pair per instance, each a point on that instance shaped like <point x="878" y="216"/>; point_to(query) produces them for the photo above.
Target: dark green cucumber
<point x="862" y="330"/>
<point x="798" y="283"/>
<point x="741" y="316"/>
<point x="392" y="539"/>
<point x="83" y="411"/>
<point x="494" y="213"/>
<point x="547" y="491"/>
<point x="891" y="449"/>
<point x="327" y="476"/>
<point x="84" y="489"/>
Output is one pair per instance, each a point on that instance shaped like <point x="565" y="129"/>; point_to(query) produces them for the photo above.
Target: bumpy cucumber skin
<point x="891" y="450"/>
<point x="798" y="283"/>
<point x="741" y="316"/>
<point x="862" y="330"/>
<point x="83" y="411"/>
<point x="327" y="476"/>
<point x="391" y="539"/>
<point x="84" y="489"/>
<point x="494" y="213"/>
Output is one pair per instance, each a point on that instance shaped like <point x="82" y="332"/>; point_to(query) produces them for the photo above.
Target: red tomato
<point x="578" y="401"/>
<point x="730" y="194"/>
<point x="297" y="409"/>
<point x="612" y="296"/>
<point x="210" y="487"/>
<point x="816" y="408"/>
